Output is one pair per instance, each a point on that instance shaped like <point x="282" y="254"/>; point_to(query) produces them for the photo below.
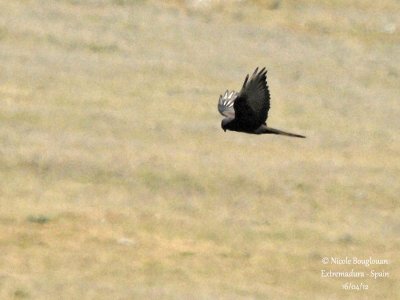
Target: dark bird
<point x="247" y="111"/>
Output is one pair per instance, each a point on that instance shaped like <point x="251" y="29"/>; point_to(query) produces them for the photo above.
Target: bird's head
<point x="225" y="123"/>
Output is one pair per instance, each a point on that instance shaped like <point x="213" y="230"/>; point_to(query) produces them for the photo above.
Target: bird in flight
<point x="247" y="111"/>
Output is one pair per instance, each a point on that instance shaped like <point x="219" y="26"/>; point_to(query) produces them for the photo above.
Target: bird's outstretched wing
<point x="252" y="103"/>
<point x="225" y="104"/>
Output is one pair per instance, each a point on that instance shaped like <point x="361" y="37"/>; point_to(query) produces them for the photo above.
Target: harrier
<point x="247" y="111"/>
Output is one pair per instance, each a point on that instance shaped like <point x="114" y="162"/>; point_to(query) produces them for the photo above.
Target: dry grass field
<point x="117" y="182"/>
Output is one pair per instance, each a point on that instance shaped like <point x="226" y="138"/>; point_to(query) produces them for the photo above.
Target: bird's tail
<point x="269" y="130"/>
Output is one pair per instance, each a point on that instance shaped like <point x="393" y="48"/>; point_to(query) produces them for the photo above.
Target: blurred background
<point x="117" y="181"/>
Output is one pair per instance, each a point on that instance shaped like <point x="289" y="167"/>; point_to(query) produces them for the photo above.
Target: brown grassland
<point x="117" y="182"/>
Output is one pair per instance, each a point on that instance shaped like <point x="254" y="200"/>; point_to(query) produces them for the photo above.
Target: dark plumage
<point x="247" y="111"/>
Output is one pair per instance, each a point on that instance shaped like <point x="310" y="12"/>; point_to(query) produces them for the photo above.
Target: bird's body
<point x="247" y="111"/>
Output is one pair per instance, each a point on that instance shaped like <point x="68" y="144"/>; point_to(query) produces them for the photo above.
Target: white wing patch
<point x="225" y="103"/>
